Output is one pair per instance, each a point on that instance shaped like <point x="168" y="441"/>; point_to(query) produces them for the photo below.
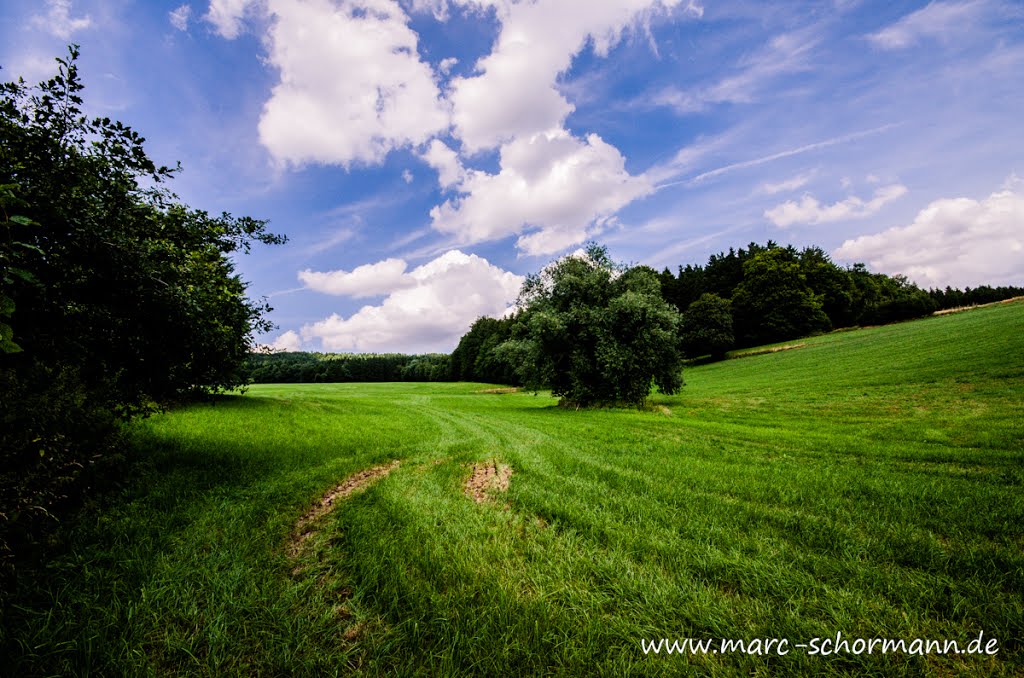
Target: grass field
<point x="869" y="482"/>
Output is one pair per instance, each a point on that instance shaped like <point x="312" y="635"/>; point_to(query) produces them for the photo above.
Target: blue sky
<point x="423" y="155"/>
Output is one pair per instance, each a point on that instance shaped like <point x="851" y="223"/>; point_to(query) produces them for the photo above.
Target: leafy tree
<point x="477" y="357"/>
<point x="895" y="298"/>
<point x="832" y="283"/>
<point x="706" y="327"/>
<point x="724" y="272"/>
<point x="113" y="296"/>
<point x="595" y="332"/>
<point x="682" y="289"/>
<point x="774" y="302"/>
<point x="135" y="287"/>
<point x="881" y="299"/>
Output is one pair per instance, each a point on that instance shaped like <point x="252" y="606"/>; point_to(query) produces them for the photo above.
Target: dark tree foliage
<point x="682" y="289"/>
<point x="832" y="284"/>
<point x="771" y="293"/>
<point x="476" y="358"/>
<point x="951" y="297"/>
<point x="113" y="297"/>
<point x="595" y="332"/>
<point x="886" y="299"/>
<point x="490" y="353"/>
<point x="753" y="295"/>
<point x="813" y="293"/>
<point x="774" y="301"/>
<point x="669" y="287"/>
<point x="706" y="327"/>
<point x="724" y="272"/>
<point x="690" y="286"/>
<point x="301" y="367"/>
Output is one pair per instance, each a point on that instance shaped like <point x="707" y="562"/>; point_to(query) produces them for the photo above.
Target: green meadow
<point x="866" y="482"/>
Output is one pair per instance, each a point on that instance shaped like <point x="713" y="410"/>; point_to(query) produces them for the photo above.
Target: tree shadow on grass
<point x="191" y="516"/>
<point x="237" y="401"/>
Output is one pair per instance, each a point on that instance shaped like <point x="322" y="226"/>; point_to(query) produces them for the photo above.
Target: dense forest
<point x="301" y="367"/>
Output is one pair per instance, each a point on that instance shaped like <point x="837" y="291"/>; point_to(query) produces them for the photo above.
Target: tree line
<point x="747" y="297"/>
<point x="306" y="368"/>
<point x="115" y="299"/>
<point x="983" y="294"/>
<point x="741" y="298"/>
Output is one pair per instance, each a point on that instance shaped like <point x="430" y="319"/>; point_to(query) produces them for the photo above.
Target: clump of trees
<point x="476" y="358"/>
<point x="740" y="298"/>
<point x="114" y="297"/>
<point x="303" y="367"/>
<point x="592" y="331"/>
<point x="777" y="293"/>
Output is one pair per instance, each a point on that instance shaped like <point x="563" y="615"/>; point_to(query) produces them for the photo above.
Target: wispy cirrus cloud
<point x="936" y="20"/>
<point x="683" y="159"/>
<point x="180" y="17"/>
<point x="784" y="186"/>
<point x="784" y="54"/>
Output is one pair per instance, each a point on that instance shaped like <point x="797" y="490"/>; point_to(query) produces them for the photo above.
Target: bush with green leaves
<point x="596" y="333"/>
<point x="111" y="291"/>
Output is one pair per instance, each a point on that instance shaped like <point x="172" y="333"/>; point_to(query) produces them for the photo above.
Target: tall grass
<point x="868" y="483"/>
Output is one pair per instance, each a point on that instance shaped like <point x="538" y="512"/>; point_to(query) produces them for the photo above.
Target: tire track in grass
<point x="707" y="575"/>
<point x="354" y="483"/>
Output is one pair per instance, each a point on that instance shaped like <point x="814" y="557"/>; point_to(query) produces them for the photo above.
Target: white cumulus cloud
<point x="514" y="91"/>
<point x="444" y="298"/>
<point x="552" y="188"/>
<point x="446" y="161"/>
<point x="352" y="86"/>
<point x="287" y="341"/>
<point x="446" y="65"/>
<point x="227" y="15"/>
<point x="368" y="280"/>
<point x="553" y="183"/>
<point x="809" y="211"/>
<point x="58" y="19"/>
<point x="954" y="241"/>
